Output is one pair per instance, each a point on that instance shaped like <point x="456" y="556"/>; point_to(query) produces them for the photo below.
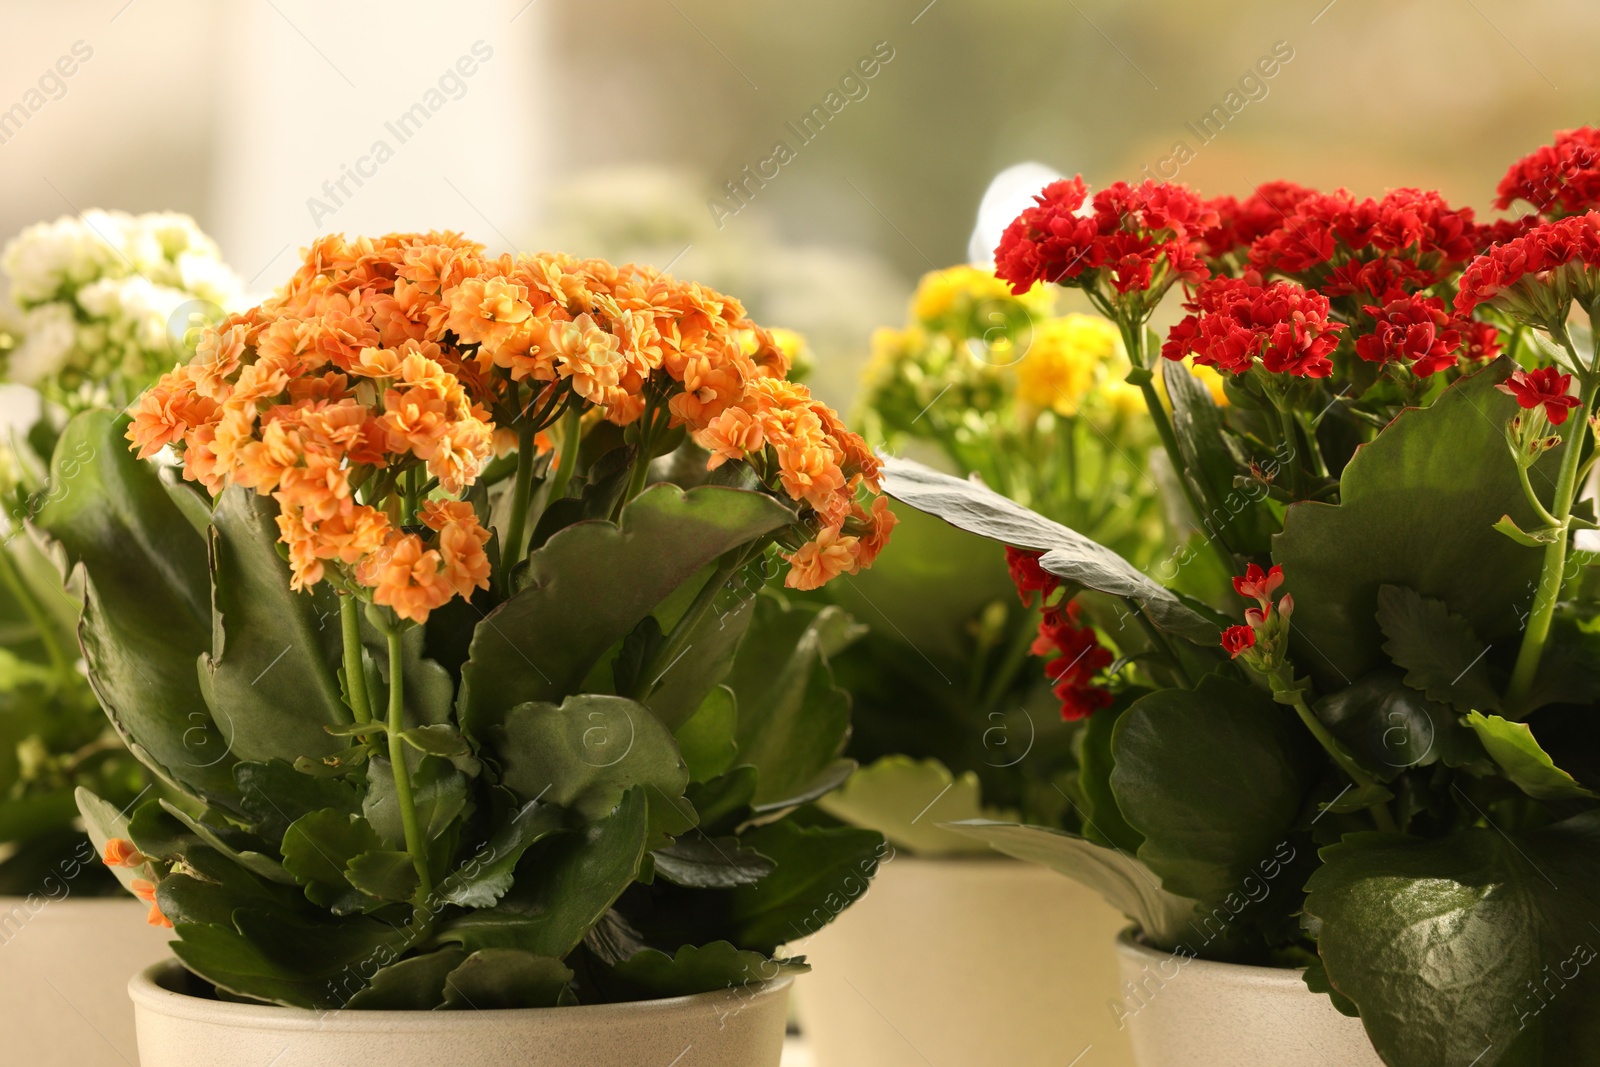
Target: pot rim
<point x="148" y="994"/>
<point x="1128" y="944"/>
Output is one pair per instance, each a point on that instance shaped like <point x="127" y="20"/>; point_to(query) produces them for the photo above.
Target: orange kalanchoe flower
<point x="120" y="852"/>
<point x="385" y="355"/>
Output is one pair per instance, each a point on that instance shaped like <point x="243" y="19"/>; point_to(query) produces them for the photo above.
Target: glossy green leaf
<point x="412" y="984"/>
<point x="710" y="862"/>
<point x="906" y="800"/>
<point x="316" y="850"/>
<point x="707" y="739"/>
<point x="1512" y="746"/>
<point x="1214" y="779"/>
<point x="273" y="794"/>
<point x="820" y="872"/>
<point x="1417" y="509"/>
<point x="1473" y="948"/>
<point x="481" y="880"/>
<point x="383" y="874"/>
<point x="701" y="969"/>
<point x="591" y="584"/>
<point x="1125" y="883"/>
<point x="1243" y="521"/>
<point x="1103" y="822"/>
<point x="438" y="791"/>
<point x="1389" y="726"/>
<point x="977" y="509"/>
<point x="493" y="978"/>
<point x="1440" y="653"/>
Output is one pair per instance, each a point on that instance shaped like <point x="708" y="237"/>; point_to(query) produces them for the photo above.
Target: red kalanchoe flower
<point x="1258" y="583"/>
<point x="1545" y="386"/>
<point x="1240" y="223"/>
<point x="1074" y="656"/>
<point x="1412" y="224"/>
<point x="1236" y="321"/>
<point x="1237" y="639"/>
<point x="1557" y="179"/>
<point x="1519" y="271"/>
<point x="1028" y="576"/>
<point x="1415" y="330"/>
<point x="1129" y="232"/>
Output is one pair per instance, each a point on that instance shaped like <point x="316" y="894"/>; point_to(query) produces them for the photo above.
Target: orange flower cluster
<point x="819" y="463"/>
<point x="385" y="354"/>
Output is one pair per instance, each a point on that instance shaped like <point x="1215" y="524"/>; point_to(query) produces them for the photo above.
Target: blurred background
<point x="812" y="158"/>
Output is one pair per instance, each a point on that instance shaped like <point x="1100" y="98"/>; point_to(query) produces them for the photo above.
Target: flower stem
<point x="1554" y="565"/>
<point x="355" y="675"/>
<point x="521" y="494"/>
<point x="1363" y="781"/>
<point x="571" y="438"/>
<point x="415" y="845"/>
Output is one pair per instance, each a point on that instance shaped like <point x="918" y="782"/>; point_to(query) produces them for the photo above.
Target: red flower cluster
<point x="1129" y="233"/>
<point x="1240" y="223"/>
<point x="1235" y="321"/>
<point x="1557" y="179"/>
<point x="1419" y="330"/>
<point x="1074" y="656"/>
<point x="1523" y="264"/>
<point x="1073" y="652"/>
<point x="1545" y="387"/>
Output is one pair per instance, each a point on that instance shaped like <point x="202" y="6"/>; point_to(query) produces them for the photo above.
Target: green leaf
<point x="591" y="584"/>
<point x="273" y="795"/>
<point x="724" y="801"/>
<point x="147" y="601"/>
<point x="506" y="978"/>
<point x="256" y="863"/>
<point x="444" y="740"/>
<point x="298" y="964"/>
<point x="977" y="509"/>
<point x="711" y="862"/>
<point x="1214" y="779"/>
<point x="1125" y="883"/>
<point x="102" y="821"/>
<point x="413" y="984"/>
<point x="271" y="677"/>
<point x="1389" y="726"/>
<point x="484" y="878"/>
<point x="210" y="887"/>
<point x="438" y="791"/>
<point x="1545" y="535"/>
<point x="820" y="872"/>
<point x="1417" y="509"/>
<point x="1103" y="823"/>
<point x="383" y="874"/>
<point x="585" y="754"/>
<point x="1247" y="523"/>
<point x="707" y="738"/>
<point x="574" y="878"/>
<point x="680" y="687"/>
<point x="701" y="969"/>
<point x="906" y="800"/>
<point x="1513" y="747"/>
<point x="1440" y="653"/>
<point x="793" y="721"/>
<point x="316" y="850"/>
<point x="1481" y="927"/>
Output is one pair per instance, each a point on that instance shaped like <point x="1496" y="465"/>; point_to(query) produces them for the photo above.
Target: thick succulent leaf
<point x="584" y="755"/>
<point x="209" y="887"/>
<point x="725" y="801"/>
<point x="316" y="850"/>
<point x="906" y="800"/>
<point x="238" y="850"/>
<point x="412" y="984"/>
<point x="1214" y="778"/>
<point x="701" y="969"/>
<point x="1243" y="521"/>
<point x="147" y="602"/>
<point x="1126" y="883"/>
<point x="506" y="978"/>
<point x="973" y="507"/>
<point x="591" y="584"/>
<point x="707" y="739"/>
<point x="571" y="881"/>
<point x="703" y="862"/>
<point x="679" y="688"/>
<point x="1440" y="653"/>
<point x="272" y="676"/>
<point x="820" y="872"/>
<point x="1389" y="726"/>
<point x="1417" y="509"/>
<point x="273" y="794"/>
<point x="793" y="721"/>
<point x="1103" y="822"/>
<point x="102" y="821"/>
<point x="438" y="791"/>
<point x="383" y="874"/>
<point x="1513" y="748"/>
<point x="485" y="877"/>
<point x="1481" y="927"/>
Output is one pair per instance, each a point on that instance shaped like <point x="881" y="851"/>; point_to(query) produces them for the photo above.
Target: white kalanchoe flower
<point x="104" y="302"/>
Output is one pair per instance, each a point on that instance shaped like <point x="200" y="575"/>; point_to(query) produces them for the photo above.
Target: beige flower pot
<point x="1187" y="1012"/>
<point x="733" y="1028"/>
<point x="965" y="962"/>
<point x="64" y="966"/>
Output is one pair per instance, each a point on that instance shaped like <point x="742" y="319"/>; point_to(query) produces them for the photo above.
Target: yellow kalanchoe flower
<point x="1060" y="368"/>
<point x="950" y="300"/>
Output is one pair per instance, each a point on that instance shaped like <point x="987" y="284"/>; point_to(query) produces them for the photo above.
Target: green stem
<point x="1533" y="498"/>
<point x="1380" y="812"/>
<point x="355" y="675"/>
<point x="1551" y="569"/>
<point x="415" y="845"/>
<point x="1291" y="438"/>
<point x="1015" y="656"/>
<point x="571" y="438"/>
<point x="42" y="623"/>
<point x="522" y="493"/>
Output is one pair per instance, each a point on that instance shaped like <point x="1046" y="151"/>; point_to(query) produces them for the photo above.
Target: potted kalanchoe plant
<point x="1382" y="771"/>
<point x="955" y="717"/>
<point x="96" y="309"/>
<point x="448" y="730"/>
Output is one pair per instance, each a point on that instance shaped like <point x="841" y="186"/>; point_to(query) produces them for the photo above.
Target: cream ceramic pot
<point x="958" y="962"/>
<point x="1187" y="1012"/>
<point x="64" y="966"/>
<point x="730" y="1028"/>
